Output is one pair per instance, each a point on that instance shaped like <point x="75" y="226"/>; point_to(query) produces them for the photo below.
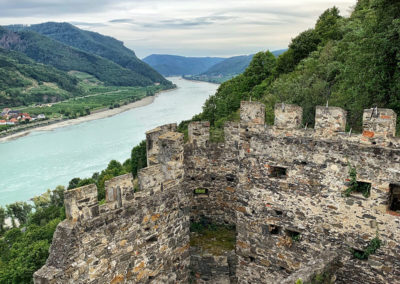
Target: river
<point x="44" y="159"/>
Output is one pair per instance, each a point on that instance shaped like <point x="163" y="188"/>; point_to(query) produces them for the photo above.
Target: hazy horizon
<point x="177" y="27"/>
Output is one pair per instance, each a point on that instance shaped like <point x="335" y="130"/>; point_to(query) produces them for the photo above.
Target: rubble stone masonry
<point x="281" y="186"/>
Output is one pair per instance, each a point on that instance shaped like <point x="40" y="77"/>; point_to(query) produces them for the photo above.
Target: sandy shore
<point x="103" y="113"/>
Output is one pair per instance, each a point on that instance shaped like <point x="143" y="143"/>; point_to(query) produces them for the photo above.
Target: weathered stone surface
<point x="379" y="122"/>
<point x="199" y="132"/>
<point x="330" y="119"/>
<point x="152" y="141"/>
<point x="287" y="116"/>
<point x="281" y="186"/>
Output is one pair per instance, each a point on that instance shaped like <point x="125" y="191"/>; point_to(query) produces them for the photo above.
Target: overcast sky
<point x="184" y="27"/>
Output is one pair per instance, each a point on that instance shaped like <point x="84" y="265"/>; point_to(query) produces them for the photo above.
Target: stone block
<point x="252" y="112"/>
<point x="288" y="116"/>
<point x="379" y="123"/>
<point x="330" y="119"/>
<point x="199" y="133"/>
<point x="152" y="141"/>
<point x="81" y="203"/>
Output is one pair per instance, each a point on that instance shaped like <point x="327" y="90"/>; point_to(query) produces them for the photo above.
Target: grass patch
<point x="212" y="238"/>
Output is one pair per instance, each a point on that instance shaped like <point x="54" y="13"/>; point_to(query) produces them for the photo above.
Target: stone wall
<point x="211" y="168"/>
<point x="282" y="186"/>
<point x="291" y="184"/>
<point x="135" y="237"/>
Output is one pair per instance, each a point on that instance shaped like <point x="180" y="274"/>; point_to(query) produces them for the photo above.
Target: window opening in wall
<point x="277" y="172"/>
<point x="294" y="235"/>
<point x="201" y="191"/>
<point x="252" y="259"/>
<point x="230" y="177"/>
<point x="278" y="212"/>
<point x="152" y="239"/>
<point x="394" y="198"/>
<point x="274" y="230"/>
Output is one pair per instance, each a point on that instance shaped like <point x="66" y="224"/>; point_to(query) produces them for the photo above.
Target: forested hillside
<point x="351" y="62"/>
<point x="51" y="52"/>
<point x="228" y="68"/>
<point x="232" y="65"/>
<point x="22" y="81"/>
<point x="169" y="65"/>
<point x="95" y="43"/>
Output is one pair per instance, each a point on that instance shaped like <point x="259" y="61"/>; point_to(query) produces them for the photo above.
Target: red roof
<point x="2" y="121"/>
<point x="13" y="120"/>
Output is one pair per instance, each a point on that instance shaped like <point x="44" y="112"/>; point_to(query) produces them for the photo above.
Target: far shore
<point x="97" y="114"/>
<point x="200" y="81"/>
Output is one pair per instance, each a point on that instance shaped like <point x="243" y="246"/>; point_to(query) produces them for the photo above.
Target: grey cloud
<point x="129" y="21"/>
<point x="86" y="24"/>
<point x="187" y="23"/>
<point x="25" y="8"/>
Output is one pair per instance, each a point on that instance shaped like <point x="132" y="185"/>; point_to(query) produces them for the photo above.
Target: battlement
<point x="330" y="119"/>
<point x="199" y="133"/>
<point x="252" y="112"/>
<point x="282" y="186"/>
<point x="151" y="141"/>
<point x="81" y="203"/>
<point x="287" y="116"/>
<point x="119" y="190"/>
<point x="379" y="123"/>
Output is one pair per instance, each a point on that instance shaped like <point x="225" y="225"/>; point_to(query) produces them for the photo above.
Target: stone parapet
<point x="199" y="133"/>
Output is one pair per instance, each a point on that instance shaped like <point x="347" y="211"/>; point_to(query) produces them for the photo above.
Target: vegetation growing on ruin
<point x="356" y="186"/>
<point x="373" y="245"/>
<point x="212" y="238"/>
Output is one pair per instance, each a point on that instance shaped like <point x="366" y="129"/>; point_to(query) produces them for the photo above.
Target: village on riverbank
<point x="11" y="117"/>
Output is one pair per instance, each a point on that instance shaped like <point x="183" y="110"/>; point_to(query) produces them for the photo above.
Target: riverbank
<point x="97" y="114"/>
<point x="200" y="81"/>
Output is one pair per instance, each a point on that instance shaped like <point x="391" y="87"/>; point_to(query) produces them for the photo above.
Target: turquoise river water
<point x="43" y="160"/>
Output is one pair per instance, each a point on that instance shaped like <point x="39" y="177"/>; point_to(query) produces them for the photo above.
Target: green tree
<point x="2" y="218"/>
<point x="328" y="25"/>
<point x="19" y="211"/>
<point x="138" y="158"/>
<point x="73" y="183"/>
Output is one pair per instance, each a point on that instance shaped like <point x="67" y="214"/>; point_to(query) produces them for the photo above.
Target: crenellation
<point x="288" y="116"/>
<point x="199" y="133"/>
<point x="329" y="120"/>
<point x="379" y="123"/>
<point x="81" y="203"/>
<point x="152" y="144"/>
<point x="119" y="190"/>
<point x="281" y="186"/>
<point x="252" y="112"/>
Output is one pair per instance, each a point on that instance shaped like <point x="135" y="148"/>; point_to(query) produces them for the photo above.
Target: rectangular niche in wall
<point x="201" y="191"/>
<point x="277" y="172"/>
<point x="294" y="235"/>
<point x="271" y="229"/>
<point x="394" y="198"/>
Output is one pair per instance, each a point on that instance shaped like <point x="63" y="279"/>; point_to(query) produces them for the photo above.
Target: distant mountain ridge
<point x="230" y="66"/>
<point x="219" y="72"/>
<point x="95" y="43"/>
<point x="170" y="65"/>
